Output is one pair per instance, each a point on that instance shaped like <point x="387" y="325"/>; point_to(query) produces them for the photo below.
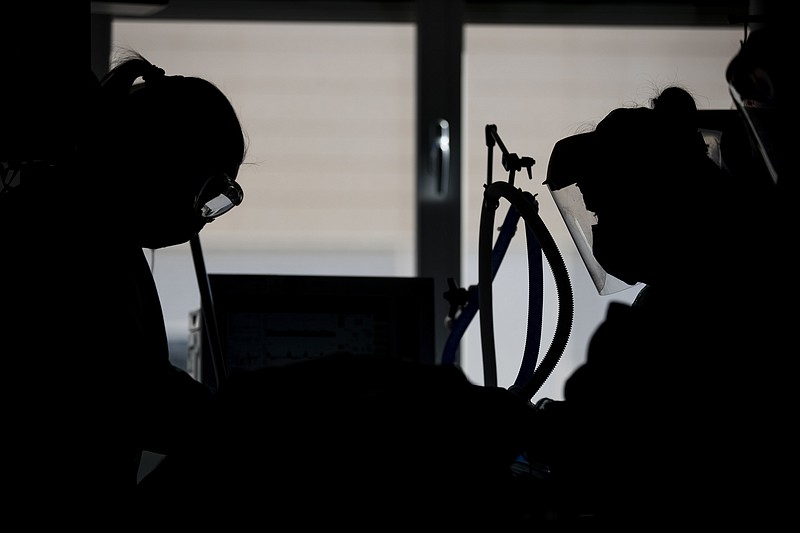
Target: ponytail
<point x="117" y="84"/>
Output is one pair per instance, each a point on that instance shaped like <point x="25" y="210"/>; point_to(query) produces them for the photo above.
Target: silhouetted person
<point x="679" y="414"/>
<point x="153" y="160"/>
<point x="355" y="441"/>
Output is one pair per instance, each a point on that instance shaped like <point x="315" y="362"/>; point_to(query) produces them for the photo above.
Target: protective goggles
<point x="218" y="195"/>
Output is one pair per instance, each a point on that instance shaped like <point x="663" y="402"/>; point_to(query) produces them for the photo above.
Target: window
<point x="329" y="175"/>
<point x="539" y="84"/>
<point x="329" y="180"/>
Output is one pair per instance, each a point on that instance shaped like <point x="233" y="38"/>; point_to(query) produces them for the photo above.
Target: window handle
<point x="440" y="156"/>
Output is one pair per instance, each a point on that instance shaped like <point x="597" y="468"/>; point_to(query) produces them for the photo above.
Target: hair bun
<point x="675" y="100"/>
<point x="677" y="112"/>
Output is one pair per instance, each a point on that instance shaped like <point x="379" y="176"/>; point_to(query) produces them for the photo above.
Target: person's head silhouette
<point x="641" y="175"/>
<point x="172" y="145"/>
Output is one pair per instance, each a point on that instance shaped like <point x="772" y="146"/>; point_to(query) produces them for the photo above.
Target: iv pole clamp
<point x="530" y="377"/>
<point x="511" y="162"/>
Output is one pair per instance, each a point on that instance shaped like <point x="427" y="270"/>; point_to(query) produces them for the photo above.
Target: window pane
<point x="329" y="176"/>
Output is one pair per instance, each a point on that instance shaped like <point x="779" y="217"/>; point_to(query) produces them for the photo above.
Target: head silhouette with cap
<point x="644" y="177"/>
<point x="170" y="146"/>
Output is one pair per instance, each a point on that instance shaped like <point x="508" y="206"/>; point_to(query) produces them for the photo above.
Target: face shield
<point x="565" y="169"/>
<point x="617" y="189"/>
<point x="755" y="80"/>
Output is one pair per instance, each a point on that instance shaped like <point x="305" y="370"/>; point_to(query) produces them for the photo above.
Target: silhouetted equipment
<point x="464" y="303"/>
<point x="270" y="320"/>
